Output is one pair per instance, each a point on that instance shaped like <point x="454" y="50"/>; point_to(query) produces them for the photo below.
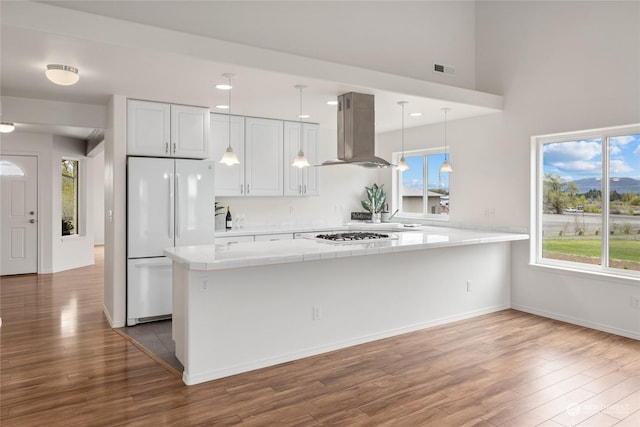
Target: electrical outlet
<point x="317" y="312"/>
<point x="204" y="284"/>
<point x="468" y="285"/>
<point x="635" y="301"/>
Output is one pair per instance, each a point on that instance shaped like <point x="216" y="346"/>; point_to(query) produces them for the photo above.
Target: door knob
<point x="32" y="221"/>
<point x="32" y="213"/>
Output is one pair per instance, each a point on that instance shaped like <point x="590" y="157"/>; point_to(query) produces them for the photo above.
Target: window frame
<point x="80" y="196"/>
<point x="537" y="200"/>
<point x="396" y="183"/>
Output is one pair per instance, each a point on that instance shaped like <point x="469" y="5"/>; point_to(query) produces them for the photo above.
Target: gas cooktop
<point x="353" y="237"/>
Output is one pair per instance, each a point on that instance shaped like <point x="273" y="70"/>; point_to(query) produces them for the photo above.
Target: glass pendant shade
<point x="229" y="158"/>
<point x="403" y="165"/>
<point x="446" y="166"/>
<point x="300" y="161"/>
<point x="63" y="75"/>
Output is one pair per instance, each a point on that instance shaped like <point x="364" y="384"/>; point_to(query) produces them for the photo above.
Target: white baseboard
<point x="580" y="322"/>
<point x="110" y="320"/>
<point x="191" y="379"/>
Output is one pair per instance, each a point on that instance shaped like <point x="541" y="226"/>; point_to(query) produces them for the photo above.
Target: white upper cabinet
<point x="190" y="131"/>
<point x="229" y="179"/>
<point x="165" y="130"/>
<point x="148" y="128"/>
<point x="264" y="152"/>
<point x="305" y="181"/>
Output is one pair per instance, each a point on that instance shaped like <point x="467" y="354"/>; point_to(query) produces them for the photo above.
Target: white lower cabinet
<point x="229" y="240"/>
<point x="149" y="289"/>
<point x="273" y="237"/>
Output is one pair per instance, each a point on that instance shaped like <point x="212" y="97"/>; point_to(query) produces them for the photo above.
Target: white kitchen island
<point x="250" y="305"/>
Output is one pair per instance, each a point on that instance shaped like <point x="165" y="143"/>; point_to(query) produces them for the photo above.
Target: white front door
<point x="18" y="215"/>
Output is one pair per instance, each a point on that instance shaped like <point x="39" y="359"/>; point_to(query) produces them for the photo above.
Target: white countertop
<point x="237" y="255"/>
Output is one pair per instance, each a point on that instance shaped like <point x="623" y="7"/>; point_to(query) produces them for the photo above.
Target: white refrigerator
<point x="170" y="202"/>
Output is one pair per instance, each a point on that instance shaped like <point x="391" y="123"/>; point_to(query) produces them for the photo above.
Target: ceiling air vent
<point x="447" y="70"/>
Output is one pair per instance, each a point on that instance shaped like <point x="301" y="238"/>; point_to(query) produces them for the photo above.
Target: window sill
<point x="587" y="274"/>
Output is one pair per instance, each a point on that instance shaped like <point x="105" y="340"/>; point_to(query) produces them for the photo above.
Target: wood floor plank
<point x="61" y="364"/>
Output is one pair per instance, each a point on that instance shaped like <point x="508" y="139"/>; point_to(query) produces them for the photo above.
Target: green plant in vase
<point x="376" y="199"/>
<point x="219" y="209"/>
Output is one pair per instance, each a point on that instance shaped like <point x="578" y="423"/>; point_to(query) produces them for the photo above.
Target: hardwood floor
<point x="61" y="364"/>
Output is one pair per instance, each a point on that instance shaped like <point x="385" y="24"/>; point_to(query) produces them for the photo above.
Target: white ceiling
<point x="137" y="71"/>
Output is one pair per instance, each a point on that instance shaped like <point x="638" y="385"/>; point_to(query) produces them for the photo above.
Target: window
<point x="70" y="190"/>
<point x="422" y="190"/>
<point x="575" y="225"/>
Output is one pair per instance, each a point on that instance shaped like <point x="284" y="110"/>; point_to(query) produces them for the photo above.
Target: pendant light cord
<point x="229" y="114"/>
<point x="300" y="118"/>
<point x="402" y="105"/>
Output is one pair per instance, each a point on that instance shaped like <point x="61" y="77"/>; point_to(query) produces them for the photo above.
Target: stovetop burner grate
<point x="352" y="236"/>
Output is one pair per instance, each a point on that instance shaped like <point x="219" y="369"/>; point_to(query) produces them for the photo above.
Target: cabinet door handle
<point x="166" y="148"/>
<point x="247" y="188"/>
<point x="299" y="189"/>
<point x="174" y="148"/>
<point x="305" y="189"/>
<point x="241" y="188"/>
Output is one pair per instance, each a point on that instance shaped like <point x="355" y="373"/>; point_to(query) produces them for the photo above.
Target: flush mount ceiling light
<point x="402" y="164"/>
<point x="415" y="114"/>
<point x="229" y="158"/>
<point x="63" y="75"/>
<point x="301" y="161"/>
<point x="446" y="166"/>
<point x="7" y="127"/>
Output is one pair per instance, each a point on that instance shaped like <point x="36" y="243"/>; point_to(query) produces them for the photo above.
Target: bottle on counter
<point x="229" y="221"/>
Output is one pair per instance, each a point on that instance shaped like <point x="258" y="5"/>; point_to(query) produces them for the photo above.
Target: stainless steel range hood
<point x="356" y="132"/>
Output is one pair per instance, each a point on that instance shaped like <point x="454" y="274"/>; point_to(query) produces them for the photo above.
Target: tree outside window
<point x="578" y="225"/>
<point x="70" y="190"/>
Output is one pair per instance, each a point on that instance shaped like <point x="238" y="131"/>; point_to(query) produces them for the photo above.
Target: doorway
<point x="18" y="214"/>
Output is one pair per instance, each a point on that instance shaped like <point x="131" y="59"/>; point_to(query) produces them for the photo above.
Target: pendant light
<point x="446" y="166"/>
<point x="64" y="75"/>
<point x="229" y="158"/>
<point x="402" y="164"/>
<point x="301" y="161"/>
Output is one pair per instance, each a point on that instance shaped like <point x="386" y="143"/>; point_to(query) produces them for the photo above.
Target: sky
<point x="414" y="177"/>
<point x="575" y="160"/>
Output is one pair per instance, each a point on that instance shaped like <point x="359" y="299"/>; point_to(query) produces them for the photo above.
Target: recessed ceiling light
<point x="7" y="127"/>
<point x="415" y="114"/>
<point x="222" y="107"/>
<point x="63" y="75"/>
<point x="303" y="116"/>
<point x="332" y="102"/>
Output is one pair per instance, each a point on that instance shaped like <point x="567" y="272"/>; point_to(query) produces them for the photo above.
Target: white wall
<point x="98" y="198"/>
<point x="115" y="238"/>
<point x="561" y="66"/>
<point x="72" y="251"/>
<point x="57" y="253"/>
